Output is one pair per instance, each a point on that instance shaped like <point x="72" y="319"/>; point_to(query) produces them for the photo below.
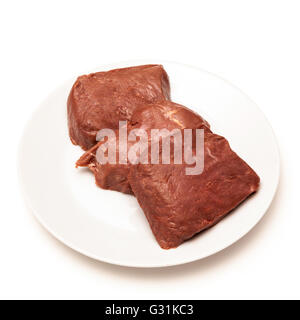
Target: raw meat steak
<point x="99" y="100"/>
<point x="165" y="114"/>
<point x="178" y="206"/>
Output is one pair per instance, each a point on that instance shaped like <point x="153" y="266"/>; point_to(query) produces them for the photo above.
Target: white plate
<point x="110" y="226"/>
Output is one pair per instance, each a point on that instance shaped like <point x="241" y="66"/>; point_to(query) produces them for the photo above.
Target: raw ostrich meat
<point x="99" y="100"/>
<point x="178" y="206"/>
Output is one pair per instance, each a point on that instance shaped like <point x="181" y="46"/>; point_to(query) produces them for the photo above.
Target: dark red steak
<point x="178" y="206"/>
<point x="99" y="100"/>
<point x="165" y="114"/>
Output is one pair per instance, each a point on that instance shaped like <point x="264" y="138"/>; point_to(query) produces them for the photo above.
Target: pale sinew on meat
<point x="162" y="115"/>
<point x="99" y="100"/>
<point x="178" y="206"/>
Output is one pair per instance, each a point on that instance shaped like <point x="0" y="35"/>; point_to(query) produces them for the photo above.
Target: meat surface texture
<point x="162" y="115"/>
<point x="100" y="100"/>
<point x="107" y="176"/>
<point x="178" y="206"/>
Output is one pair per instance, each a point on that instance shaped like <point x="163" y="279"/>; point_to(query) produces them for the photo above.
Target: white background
<point x="254" y="44"/>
